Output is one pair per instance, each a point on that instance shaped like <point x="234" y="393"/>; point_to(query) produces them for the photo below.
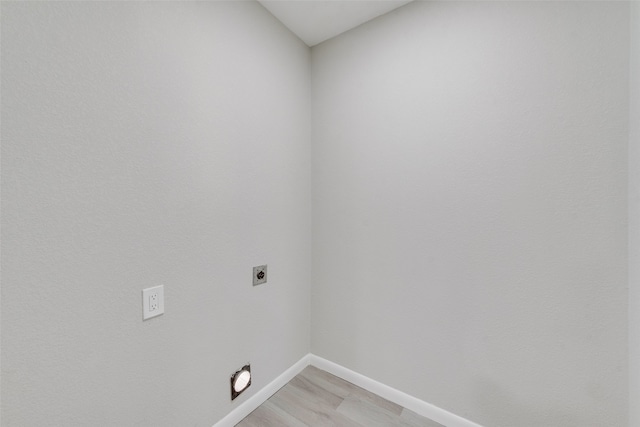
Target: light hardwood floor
<point x="315" y="398"/>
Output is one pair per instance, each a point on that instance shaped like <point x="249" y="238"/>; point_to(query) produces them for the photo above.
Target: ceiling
<point x="315" y="21"/>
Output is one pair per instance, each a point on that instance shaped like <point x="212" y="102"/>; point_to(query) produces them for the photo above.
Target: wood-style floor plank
<point x="344" y="388"/>
<point x="312" y="390"/>
<point x="368" y="414"/>
<point x="288" y="419"/>
<point x="416" y="420"/>
<point x="315" y="398"/>
<point x="309" y="410"/>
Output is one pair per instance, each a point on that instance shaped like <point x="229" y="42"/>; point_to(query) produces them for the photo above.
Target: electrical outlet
<point x="259" y="275"/>
<point x="152" y="302"/>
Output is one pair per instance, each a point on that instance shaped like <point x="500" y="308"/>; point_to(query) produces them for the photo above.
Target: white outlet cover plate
<point x="152" y="302"/>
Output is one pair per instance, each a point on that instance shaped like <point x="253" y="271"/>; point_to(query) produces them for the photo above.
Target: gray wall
<point x="470" y="208"/>
<point x="634" y="220"/>
<point x="149" y="143"/>
<point x="469" y="211"/>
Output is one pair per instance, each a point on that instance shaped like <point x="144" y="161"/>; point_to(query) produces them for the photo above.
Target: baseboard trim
<point x="248" y="406"/>
<point x="413" y="404"/>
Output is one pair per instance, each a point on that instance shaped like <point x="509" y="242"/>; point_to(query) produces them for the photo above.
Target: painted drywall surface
<point x="150" y="143"/>
<point x="470" y="186"/>
<point x="634" y="220"/>
<point x="315" y="21"/>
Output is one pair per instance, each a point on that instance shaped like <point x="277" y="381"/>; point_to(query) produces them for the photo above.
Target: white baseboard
<point x="418" y="406"/>
<point x="248" y="406"/>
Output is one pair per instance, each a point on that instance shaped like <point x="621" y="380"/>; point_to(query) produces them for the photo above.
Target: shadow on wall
<point x="518" y="413"/>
